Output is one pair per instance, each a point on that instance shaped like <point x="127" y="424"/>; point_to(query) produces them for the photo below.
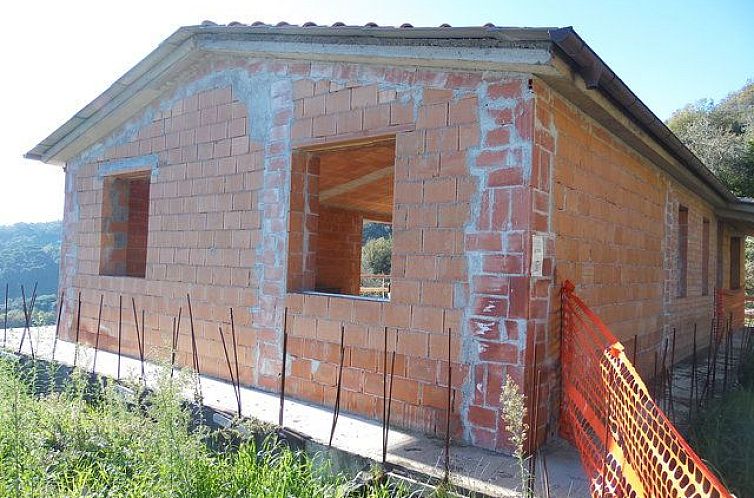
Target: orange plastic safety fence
<point x="628" y="446"/>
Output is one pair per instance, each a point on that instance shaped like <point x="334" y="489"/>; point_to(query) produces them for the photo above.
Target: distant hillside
<point x="29" y="253"/>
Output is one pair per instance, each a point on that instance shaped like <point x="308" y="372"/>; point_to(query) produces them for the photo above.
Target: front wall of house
<point x="218" y="150"/>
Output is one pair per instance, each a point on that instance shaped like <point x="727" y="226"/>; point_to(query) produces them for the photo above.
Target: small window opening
<point x="705" y="256"/>
<point x="342" y="195"/>
<point x="683" y="245"/>
<point x="125" y="225"/>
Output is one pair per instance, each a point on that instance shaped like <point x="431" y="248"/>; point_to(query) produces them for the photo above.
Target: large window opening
<point x="340" y="193"/>
<point x="125" y="225"/>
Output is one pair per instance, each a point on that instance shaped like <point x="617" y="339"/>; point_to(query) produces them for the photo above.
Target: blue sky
<point x="61" y="55"/>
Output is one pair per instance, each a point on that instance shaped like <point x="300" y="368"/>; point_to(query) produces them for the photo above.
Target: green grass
<point x="723" y="435"/>
<point x="80" y="442"/>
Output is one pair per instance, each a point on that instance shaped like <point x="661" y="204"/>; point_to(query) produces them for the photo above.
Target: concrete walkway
<point x="474" y="469"/>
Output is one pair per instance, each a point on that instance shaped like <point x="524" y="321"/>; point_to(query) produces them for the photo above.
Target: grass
<point x="80" y="441"/>
<point x="723" y="434"/>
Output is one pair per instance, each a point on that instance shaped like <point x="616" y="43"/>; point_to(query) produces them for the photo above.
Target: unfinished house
<point x="238" y="164"/>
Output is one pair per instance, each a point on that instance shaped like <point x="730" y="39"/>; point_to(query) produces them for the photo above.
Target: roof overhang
<point x="557" y="55"/>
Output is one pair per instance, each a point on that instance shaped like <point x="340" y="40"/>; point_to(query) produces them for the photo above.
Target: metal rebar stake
<point x="230" y="368"/>
<point x="28" y="313"/>
<point x="449" y="409"/>
<point x="384" y="396"/>
<point x="336" y="408"/>
<point x="176" y="331"/>
<point x="78" y="331"/>
<point x="57" y="325"/>
<point x="235" y="356"/>
<point x="96" y="340"/>
<point x="283" y="369"/>
<point x="195" y="351"/>
<point x="120" y="331"/>
<point x="138" y="339"/>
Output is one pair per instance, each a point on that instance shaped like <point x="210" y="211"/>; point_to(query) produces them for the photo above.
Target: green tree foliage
<point x="722" y="136"/>
<point x="375" y="230"/>
<point x="29" y="254"/>
<point x="376" y="256"/>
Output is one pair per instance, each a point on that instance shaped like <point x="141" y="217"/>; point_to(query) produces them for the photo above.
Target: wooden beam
<point x="356" y="183"/>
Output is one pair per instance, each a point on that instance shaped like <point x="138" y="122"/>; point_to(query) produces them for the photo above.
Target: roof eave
<point x="596" y="75"/>
<point x="514" y="50"/>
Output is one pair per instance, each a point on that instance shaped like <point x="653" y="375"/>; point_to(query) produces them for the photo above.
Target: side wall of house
<point x="218" y="147"/>
<point x="617" y="219"/>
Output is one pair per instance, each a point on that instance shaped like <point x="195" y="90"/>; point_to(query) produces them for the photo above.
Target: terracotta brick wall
<point x="200" y="230"/>
<point x="432" y="195"/>
<point x="616" y="217"/>
<point x="483" y="163"/>
<point x="338" y="264"/>
<point x="226" y="214"/>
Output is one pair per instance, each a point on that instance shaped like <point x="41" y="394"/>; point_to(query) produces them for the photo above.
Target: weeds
<point x="513" y="407"/>
<point x="84" y="439"/>
<point x="723" y="434"/>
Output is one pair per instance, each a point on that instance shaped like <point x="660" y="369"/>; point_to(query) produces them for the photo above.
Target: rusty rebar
<point x="608" y="420"/>
<point x="235" y="357"/>
<point x="96" y="340"/>
<point x="708" y="376"/>
<point x="654" y="379"/>
<point x="336" y="408"/>
<point x="693" y="383"/>
<point x="138" y="339"/>
<point x="57" y="325"/>
<point x="636" y="349"/>
<point x="449" y="408"/>
<point x="384" y="396"/>
<point x="28" y="313"/>
<point x="283" y="368"/>
<point x="78" y="331"/>
<point x="671" y="374"/>
<point x="120" y="331"/>
<point x="535" y="430"/>
<point x="195" y="351"/>
<point x="176" y="332"/>
<point x="545" y="471"/>
<point x="664" y="373"/>
<point x="230" y="369"/>
<point x="390" y="398"/>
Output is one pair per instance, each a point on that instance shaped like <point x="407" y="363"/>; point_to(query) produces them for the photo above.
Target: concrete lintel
<point x="147" y="162"/>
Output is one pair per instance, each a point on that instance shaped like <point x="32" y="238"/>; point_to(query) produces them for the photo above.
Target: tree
<point x="375" y="230"/>
<point x="722" y="137"/>
<point x="376" y="256"/>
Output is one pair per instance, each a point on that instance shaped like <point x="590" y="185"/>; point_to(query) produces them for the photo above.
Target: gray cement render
<point x="475" y="469"/>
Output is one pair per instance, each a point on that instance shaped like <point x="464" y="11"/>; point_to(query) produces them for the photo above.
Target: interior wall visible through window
<point x="125" y="225"/>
